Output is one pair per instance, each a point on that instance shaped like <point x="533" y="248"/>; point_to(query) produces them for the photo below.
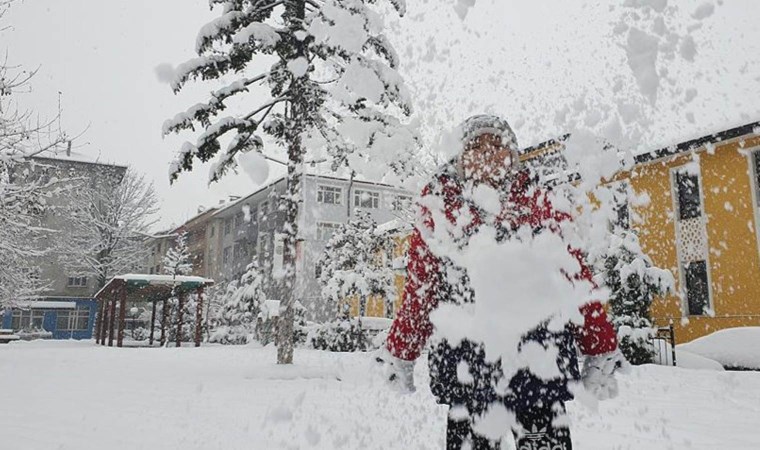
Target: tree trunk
<point x="198" y="316"/>
<point x="180" y="318"/>
<point x="111" y="319"/>
<point x="122" y="312"/>
<point x="297" y="112"/>
<point x="101" y="320"/>
<point x="152" y="323"/>
<point x="164" y="315"/>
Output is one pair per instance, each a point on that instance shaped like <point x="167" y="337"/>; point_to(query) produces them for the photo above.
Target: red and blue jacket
<point x="411" y="328"/>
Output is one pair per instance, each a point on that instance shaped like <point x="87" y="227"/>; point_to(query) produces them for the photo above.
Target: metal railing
<point x="664" y="336"/>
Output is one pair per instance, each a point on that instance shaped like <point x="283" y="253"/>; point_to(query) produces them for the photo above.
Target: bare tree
<point x="109" y="224"/>
<point x="22" y="196"/>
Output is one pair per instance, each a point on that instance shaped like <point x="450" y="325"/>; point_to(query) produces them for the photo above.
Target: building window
<point x="158" y="248"/>
<point x="226" y="255"/>
<point x="239" y="219"/>
<point x="211" y="234"/>
<point x="264" y="209"/>
<point x="30" y="319"/>
<point x="227" y="226"/>
<point x="158" y="268"/>
<point x="77" y="282"/>
<point x="687" y="191"/>
<point x="330" y="195"/>
<point x="366" y="199"/>
<point x="151" y="270"/>
<point x="325" y="230"/>
<point x="73" y="320"/>
<point x="263" y="244"/>
<point x="697" y="287"/>
<point x="401" y="202"/>
<point x="621" y="216"/>
<point x="240" y="250"/>
<point x="756" y="174"/>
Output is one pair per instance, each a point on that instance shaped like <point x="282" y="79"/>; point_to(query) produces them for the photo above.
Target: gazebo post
<point x="104" y="325"/>
<point x="152" y="323"/>
<point x="164" y="315"/>
<point x="180" y="308"/>
<point x="198" y="315"/>
<point x="111" y="319"/>
<point x="122" y="313"/>
<point x="101" y="310"/>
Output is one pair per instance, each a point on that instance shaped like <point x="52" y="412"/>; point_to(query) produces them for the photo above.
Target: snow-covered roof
<point x="396" y="224"/>
<point x="153" y="284"/>
<point x="375" y="323"/>
<point x="46" y="304"/>
<point x="78" y="157"/>
<point x="162" y="279"/>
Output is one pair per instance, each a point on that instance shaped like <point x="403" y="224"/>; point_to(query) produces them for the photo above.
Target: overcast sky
<point x="524" y="60"/>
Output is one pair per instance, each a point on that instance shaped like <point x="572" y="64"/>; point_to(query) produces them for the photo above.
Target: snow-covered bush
<point x="140" y="334"/>
<point x="353" y="265"/>
<point x="339" y="336"/>
<point x="349" y="335"/>
<point x="633" y="282"/>
<point x="242" y="303"/>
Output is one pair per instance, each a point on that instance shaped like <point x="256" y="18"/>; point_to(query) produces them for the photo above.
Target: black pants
<point x="537" y="433"/>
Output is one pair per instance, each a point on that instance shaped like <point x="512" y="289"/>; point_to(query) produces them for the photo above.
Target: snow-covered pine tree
<point x="177" y="259"/>
<point x="352" y="264"/>
<point x="177" y="262"/>
<point x="242" y="301"/>
<point x="634" y="282"/>
<point x="332" y="90"/>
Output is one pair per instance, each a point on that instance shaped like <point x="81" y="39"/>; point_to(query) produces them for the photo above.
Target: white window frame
<point x="396" y="202"/>
<point x="321" y="225"/>
<point x="262" y="244"/>
<point x="29" y="314"/>
<point x="335" y="191"/>
<point x="752" y="153"/>
<point x="74" y="319"/>
<point x="359" y="192"/>
<point x="679" y="261"/>
<point x="76" y="282"/>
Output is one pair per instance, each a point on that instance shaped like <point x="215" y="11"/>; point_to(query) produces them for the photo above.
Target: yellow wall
<point x="375" y="306"/>
<point x="734" y="261"/>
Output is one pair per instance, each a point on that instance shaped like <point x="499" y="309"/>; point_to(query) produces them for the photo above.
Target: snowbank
<point x="737" y="348"/>
<point x="236" y="397"/>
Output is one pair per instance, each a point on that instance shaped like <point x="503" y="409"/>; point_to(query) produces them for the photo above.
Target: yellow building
<point x="701" y="223"/>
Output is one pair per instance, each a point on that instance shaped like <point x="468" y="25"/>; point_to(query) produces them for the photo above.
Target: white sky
<point x="524" y="60"/>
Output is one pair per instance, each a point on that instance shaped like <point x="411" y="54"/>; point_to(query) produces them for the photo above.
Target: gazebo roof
<point x="150" y="287"/>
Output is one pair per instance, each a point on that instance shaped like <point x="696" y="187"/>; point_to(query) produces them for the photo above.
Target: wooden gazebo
<point x="149" y="289"/>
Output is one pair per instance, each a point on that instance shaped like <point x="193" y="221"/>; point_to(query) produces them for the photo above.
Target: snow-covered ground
<point x="75" y="395"/>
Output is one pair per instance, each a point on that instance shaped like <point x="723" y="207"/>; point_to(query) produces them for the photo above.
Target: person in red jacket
<point x="489" y="156"/>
